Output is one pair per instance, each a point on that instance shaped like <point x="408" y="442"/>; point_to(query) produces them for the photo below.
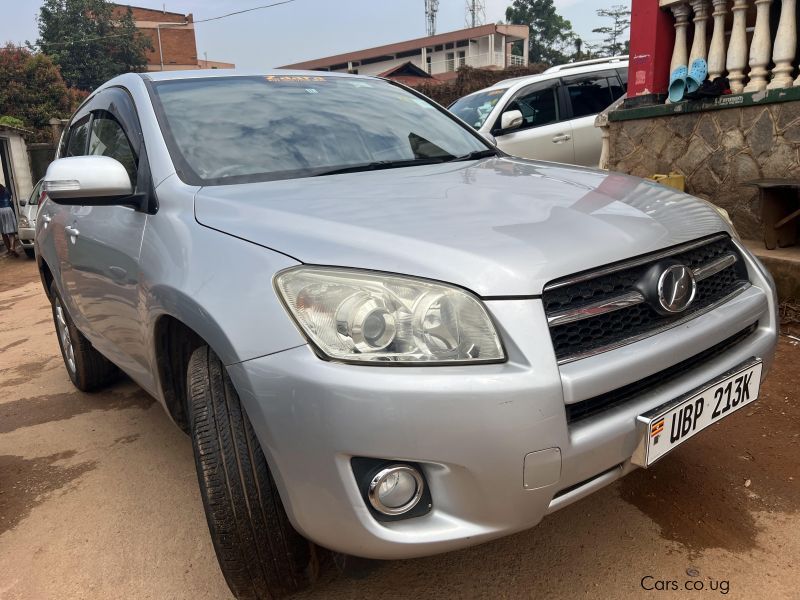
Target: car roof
<point x="612" y="60"/>
<point x="200" y="73"/>
<point x="557" y="71"/>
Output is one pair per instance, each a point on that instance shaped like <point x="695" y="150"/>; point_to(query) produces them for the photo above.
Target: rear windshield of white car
<point x="225" y="130"/>
<point x="476" y="107"/>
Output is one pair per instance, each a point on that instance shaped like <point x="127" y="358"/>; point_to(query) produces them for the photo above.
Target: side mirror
<point x="511" y="119"/>
<point x="23" y="202"/>
<point x="88" y="181"/>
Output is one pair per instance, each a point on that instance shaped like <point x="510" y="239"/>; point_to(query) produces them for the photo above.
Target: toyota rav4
<point x="385" y="337"/>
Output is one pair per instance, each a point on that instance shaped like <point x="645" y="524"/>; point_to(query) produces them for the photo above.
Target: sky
<point x="307" y="29"/>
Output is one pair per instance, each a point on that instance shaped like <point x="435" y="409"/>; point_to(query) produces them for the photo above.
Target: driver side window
<point x="76" y="142"/>
<point x="538" y="105"/>
<point x="109" y="139"/>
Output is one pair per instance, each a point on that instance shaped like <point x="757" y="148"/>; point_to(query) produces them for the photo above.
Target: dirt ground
<point x="98" y="499"/>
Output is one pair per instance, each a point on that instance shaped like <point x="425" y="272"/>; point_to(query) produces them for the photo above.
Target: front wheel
<point x="260" y="554"/>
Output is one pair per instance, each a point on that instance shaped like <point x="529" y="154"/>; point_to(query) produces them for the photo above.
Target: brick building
<point x="171" y="34"/>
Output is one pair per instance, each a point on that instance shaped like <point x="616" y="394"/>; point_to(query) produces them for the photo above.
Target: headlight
<point x="725" y="217"/>
<point x="382" y="318"/>
<point x="24" y="222"/>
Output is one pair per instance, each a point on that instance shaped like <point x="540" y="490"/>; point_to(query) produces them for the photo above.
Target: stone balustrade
<point x="747" y="65"/>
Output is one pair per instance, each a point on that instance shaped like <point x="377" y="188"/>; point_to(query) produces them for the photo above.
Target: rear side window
<point x="108" y="139"/>
<point x="591" y="94"/>
<point x="623" y="76"/>
<point x="537" y="104"/>
<point x="78" y="134"/>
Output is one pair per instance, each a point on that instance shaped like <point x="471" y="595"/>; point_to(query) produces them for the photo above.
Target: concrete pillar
<point x="699" y="46"/>
<point x="785" y="47"/>
<point x="737" y="47"/>
<point x="760" y="49"/>
<point x="680" y="56"/>
<point x="716" y="52"/>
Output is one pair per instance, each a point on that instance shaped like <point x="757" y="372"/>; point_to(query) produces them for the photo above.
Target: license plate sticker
<point x="668" y="426"/>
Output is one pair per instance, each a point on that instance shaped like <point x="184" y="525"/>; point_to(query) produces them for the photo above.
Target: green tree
<point x="614" y="40"/>
<point x="89" y="42"/>
<point x="551" y="36"/>
<point x="32" y="91"/>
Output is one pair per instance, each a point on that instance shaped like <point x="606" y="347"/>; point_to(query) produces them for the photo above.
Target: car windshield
<point x="36" y="195"/>
<point x="225" y="130"/>
<point x="476" y="107"/>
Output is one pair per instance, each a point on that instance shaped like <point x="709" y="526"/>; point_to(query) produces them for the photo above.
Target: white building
<point x="15" y="172"/>
<point x="487" y="47"/>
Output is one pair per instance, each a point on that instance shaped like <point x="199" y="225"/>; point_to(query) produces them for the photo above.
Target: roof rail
<point x="583" y="63"/>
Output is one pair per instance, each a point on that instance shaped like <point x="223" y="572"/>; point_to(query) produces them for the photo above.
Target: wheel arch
<point x="174" y="344"/>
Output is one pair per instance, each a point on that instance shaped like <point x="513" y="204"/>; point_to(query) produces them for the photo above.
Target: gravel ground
<point x="98" y="499"/>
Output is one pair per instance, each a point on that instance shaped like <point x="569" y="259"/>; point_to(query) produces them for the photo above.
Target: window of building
<point x="450" y="62"/>
<point x="462" y="58"/>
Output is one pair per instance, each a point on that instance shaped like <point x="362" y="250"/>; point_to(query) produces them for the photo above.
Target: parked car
<point x="382" y="334"/>
<point x="549" y="116"/>
<point x="26" y="223"/>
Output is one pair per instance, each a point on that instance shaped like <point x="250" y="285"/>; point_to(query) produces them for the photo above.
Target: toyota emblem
<point x="676" y="288"/>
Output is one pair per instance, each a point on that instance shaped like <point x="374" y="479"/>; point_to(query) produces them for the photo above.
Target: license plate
<point x="668" y="426"/>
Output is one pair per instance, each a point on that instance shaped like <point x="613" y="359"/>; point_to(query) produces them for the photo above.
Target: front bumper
<point x="25" y="235"/>
<point x="471" y="427"/>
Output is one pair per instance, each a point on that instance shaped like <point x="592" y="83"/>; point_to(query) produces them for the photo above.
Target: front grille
<point x="588" y="408"/>
<point x="599" y="330"/>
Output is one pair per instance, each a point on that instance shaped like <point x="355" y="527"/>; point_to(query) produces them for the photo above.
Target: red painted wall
<point x="652" y="38"/>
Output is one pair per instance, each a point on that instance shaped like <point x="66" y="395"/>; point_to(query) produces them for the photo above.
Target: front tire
<point x="260" y="554"/>
<point x="87" y="368"/>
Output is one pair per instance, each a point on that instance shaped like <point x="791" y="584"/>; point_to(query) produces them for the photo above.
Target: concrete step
<point x="784" y="264"/>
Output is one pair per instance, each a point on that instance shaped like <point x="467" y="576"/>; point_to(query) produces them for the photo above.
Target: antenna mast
<point x="475" y="13"/>
<point x="431" y="8"/>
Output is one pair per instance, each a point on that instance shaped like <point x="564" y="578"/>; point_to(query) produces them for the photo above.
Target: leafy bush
<point x="33" y="91"/>
<point x="12" y="121"/>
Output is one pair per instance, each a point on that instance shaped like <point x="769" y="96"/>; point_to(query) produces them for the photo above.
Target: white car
<point x="26" y="224"/>
<point x="549" y="116"/>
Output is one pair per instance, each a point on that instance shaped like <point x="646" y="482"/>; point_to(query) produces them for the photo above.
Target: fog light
<point x="395" y="490"/>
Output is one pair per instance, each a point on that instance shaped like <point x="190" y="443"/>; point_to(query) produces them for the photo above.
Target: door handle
<point x="561" y="137"/>
<point x="72" y="231"/>
<point x="46" y="219"/>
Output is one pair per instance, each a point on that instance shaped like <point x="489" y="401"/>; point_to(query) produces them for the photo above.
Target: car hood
<point x="500" y="226"/>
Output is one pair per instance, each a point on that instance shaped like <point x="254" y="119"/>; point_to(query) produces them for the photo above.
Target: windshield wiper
<point x="475" y="155"/>
<point x="384" y="164"/>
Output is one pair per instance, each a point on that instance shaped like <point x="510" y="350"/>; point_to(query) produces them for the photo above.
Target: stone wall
<point x="718" y="151"/>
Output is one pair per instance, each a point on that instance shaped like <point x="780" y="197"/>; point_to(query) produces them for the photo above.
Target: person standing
<point x="8" y="222"/>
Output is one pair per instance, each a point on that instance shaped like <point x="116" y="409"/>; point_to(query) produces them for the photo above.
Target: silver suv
<point x="383" y="335"/>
